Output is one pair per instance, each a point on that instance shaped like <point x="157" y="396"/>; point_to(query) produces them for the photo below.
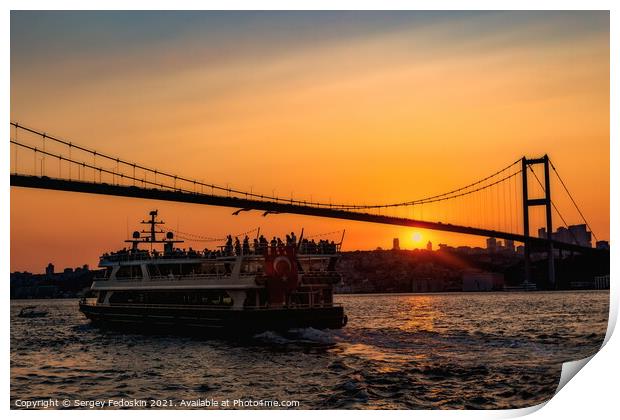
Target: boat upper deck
<point x="307" y="250"/>
<point x="235" y="248"/>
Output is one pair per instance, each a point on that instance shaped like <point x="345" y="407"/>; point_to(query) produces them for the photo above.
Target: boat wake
<point x="315" y="336"/>
<point x="271" y="337"/>
<point x="298" y="336"/>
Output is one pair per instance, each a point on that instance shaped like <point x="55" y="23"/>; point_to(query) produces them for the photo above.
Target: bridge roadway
<point x="28" y="181"/>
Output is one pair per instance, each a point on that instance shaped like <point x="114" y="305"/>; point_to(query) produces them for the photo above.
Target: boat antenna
<point x="301" y="236"/>
<point x="152" y="222"/>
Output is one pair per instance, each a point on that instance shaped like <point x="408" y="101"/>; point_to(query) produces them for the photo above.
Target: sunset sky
<point x="344" y="106"/>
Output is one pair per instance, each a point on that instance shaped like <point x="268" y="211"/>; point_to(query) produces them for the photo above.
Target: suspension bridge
<point x="501" y="205"/>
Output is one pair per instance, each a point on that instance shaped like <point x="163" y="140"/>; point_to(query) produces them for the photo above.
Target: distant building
<point x="491" y="245"/>
<point x="542" y="233"/>
<point x="602" y="245"/>
<point x="509" y="245"/>
<point x="445" y="247"/>
<point x="396" y="244"/>
<point x="52" y="284"/>
<point x="466" y="250"/>
<point x="429" y="246"/>
<point x="480" y="281"/>
<point x="49" y="270"/>
<point x="427" y="284"/>
<point x="581" y="235"/>
<point x="575" y="234"/>
<point x="477" y="250"/>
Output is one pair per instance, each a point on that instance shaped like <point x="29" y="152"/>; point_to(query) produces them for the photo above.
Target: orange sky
<point x="353" y="107"/>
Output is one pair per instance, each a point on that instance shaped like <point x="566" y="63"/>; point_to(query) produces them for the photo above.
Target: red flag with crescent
<point x="281" y="266"/>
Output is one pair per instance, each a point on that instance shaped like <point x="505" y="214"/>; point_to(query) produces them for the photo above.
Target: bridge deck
<point x="241" y="203"/>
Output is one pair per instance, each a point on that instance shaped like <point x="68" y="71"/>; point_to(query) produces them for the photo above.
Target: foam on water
<point x="315" y="336"/>
<point x="271" y="337"/>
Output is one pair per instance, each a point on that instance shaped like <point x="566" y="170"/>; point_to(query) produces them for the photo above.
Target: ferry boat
<point x="237" y="289"/>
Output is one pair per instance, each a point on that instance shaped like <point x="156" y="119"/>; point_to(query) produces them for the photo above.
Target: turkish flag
<point x="281" y="266"/>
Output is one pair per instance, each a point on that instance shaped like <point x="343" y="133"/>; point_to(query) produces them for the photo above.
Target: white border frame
<point x="593" y="393"/>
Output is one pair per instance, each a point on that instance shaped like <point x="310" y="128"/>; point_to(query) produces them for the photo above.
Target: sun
<point x="417" y="237"/>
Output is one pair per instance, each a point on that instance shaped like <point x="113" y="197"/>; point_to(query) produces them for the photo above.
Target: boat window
<point x="129" y="271"/>
<point x="175" y="269"/>
<point x="154" y="270"/>
<point x="246" y="267"/>
<point x="209" y="268"/>
<point x="127" y="297"/>
<point x="187" y="269"/>
<point x="185" y="297"/>
<point x="166" y="269"/>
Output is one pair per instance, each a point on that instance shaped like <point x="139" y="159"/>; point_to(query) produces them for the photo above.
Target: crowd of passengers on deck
<point x="234" y="247"/>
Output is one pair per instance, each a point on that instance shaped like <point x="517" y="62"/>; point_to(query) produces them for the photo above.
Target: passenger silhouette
<point x="246" y="245"/>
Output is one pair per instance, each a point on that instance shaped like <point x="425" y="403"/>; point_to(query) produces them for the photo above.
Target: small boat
<point x="31" y="312"/>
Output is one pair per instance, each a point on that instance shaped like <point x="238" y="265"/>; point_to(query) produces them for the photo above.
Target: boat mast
<point x="151" y="235"/>
<point x="153" y="222"/>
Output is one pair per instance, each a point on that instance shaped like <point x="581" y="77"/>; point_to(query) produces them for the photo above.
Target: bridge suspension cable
<point x="448" y="195"/>
<point x="320" y="235"/>
<point x="455" y="193"/>
<point x="572" y="199"/>
<point x="191" y="237"/>
<point x="86" y="165"/>
<point x="552" y="203"/>
<point x="156" y="172"/>
<point x="441" y="197"/>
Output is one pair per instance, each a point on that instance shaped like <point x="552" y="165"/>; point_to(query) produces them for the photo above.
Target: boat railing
<point x="147" y="257"/>
<point x="214" y="276"/>
<point x="143" y="255"/>
<point x="321" y="273"/>
<point x="184" y="277"/>
<point x="121" y="279"/>
<point x="178" y="277"/>
<point x="212" y="307"/>
<point x="304" y="257"/>
<point x="328" y="249"/>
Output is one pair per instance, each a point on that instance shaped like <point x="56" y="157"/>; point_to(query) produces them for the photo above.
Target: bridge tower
<point x="529" y="202"/>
